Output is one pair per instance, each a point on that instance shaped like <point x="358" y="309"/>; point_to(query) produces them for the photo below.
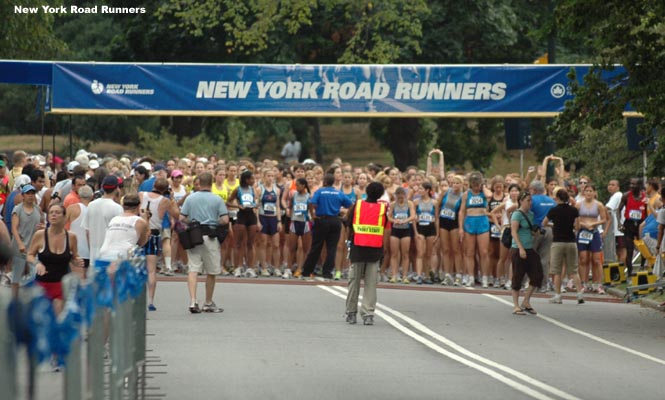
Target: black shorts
<point x="299" y="228"/>
<point x="426" y="230"/>
<point x="246" y="218"/>
<point x="530" y="266"/>
<point x="620" y="242"/>
<point x="268" y="224"/>
<point x="154" y="245"/>
<point x="448" y="224"/>
<point x="86" y="263"/>
<point x="401" y="233"/>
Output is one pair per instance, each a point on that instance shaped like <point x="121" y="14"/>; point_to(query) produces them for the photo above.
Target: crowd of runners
<point x="445" y="226"/>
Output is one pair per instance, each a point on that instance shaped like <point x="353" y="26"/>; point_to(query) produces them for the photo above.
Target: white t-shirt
<point x="612" y="205"/>
<point x="96" y="221"/>
<point x="120" y="237"/>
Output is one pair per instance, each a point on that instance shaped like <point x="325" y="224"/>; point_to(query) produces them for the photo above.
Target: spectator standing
<point x="614" y="248"/>
<point x="541" y="204"/>
<point x="525" y="259"/>
<point x="291" y="151"/>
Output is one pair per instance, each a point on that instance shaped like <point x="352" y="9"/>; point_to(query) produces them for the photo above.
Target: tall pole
<point x="644" y="166"/>
<point x="522" y="163"/>
<point x="71" y="148"/>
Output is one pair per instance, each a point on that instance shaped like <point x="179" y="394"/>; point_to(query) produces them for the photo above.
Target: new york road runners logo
<point x="558" y="90"/>
<point x="97" y="87"/>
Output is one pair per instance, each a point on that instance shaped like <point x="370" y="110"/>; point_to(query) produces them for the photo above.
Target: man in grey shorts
<point x="209" y="210"/>
<point x="564" y="245"/>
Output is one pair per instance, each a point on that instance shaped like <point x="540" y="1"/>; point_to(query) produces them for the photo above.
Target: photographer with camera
<point x="209" y="210"/>
<point x="156" y="205"/>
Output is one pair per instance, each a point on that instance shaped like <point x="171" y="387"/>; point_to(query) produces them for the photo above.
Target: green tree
<point x="631" y="34"/>
<point x="28" y="36"/>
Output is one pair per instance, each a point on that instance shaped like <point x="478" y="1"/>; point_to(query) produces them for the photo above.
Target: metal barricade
<point x="106" y="358"/>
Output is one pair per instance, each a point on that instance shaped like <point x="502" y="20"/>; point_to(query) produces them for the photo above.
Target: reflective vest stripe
<point x="368" y="229"/>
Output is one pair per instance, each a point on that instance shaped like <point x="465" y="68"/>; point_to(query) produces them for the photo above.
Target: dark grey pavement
<point x="279" y="341"/>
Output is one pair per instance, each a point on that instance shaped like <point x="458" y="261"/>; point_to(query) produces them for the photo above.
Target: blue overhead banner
<point x="313" y="90"/>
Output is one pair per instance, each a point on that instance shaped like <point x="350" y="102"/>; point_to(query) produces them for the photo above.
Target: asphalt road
<point x="277" y="341"/>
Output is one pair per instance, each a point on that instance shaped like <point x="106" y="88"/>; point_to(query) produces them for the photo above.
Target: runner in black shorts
<point x="401" y="215"/>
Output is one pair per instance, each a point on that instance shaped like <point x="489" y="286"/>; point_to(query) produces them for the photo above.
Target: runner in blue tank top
<point x="271" y="224"/>
<point x="474" y="226"/>
<point x="451" y="248"/>
<point x="402" y="215"/>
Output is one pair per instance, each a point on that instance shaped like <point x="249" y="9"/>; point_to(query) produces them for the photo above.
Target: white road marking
<point x="586" y="334"/>
<point x="339" y="292"/>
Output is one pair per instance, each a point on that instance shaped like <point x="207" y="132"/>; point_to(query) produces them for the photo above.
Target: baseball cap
<point x="72" y="165"/>
<point x="28" y="188"/>
<point x="159" y="167"/>
<point x="94" y="164"/>
<point x="175" y="173"/>
<point x="57" y="160"/>
<point x="146" y="165"/>
<point x="110" y="182"/>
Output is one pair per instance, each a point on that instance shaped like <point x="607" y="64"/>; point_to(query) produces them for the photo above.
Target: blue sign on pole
<point x="322" y="90"/>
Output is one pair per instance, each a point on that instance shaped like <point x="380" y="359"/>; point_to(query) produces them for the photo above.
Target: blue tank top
<point x="401" y="212"/>
<point x="425" y="211"/>
<point x="246" y="197"/>
<point x="268" y="202"/>
<point x="450" y="205"/>
<point x="351" y="196"/>
<point x="476" y="200"/>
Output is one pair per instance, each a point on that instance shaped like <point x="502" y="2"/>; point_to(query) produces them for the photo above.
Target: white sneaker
<point x="265" y="272"/>
<point x="287" y="274"/>
<point x="238" y="272"/>
<point x="556" y="299"/>
<point x="277" y="272"/>
<point x="250" y="273"/>
<point x="470" y="282"/>
<point x="485" y="282"/>
<point x="447" y="280"/>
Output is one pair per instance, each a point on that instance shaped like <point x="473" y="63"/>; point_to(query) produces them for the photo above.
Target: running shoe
<point x="601" y="289"/>
<point x="419" y="280"/>
<point x="351" y="318"/>
<point x="338" y="275"/>
<point x="225" y="272"/>
<point x="194" y="308"/>
<point x="448" y="280"/>
<point x="277" y="272"/>
<point x="393" y="280"/>
<point x="486" y="282"/>
<point x="458" y="282"/>
<point x="287" y="274"/>
<point x="470" y="282"/>
<point x="368" y="320"/>
<point x="212" y="308"/>
<point x="250" y="273"/>
<point x="427" y="281"/>
<point x="405" y="280"/>
<point x="265" y="272"/>
<point x="167" y="272"/>
<point x="555" y="300"/>
<point x="297" y="274"/>
<point x="563" y="289"/>
<point x="151" y="307"/>
<point x="497" y="283"/>
<point x="509" y="285"/>
<point x="238" y="272"/>
<point x="580" y="298"/>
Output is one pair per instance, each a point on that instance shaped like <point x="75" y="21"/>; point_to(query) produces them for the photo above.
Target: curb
<point x="644" y="302"/>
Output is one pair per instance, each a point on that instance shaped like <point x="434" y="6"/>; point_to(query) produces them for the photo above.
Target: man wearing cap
<point x="99" y="215"/>
<point x="27" y="218"/>
<point x="325" y="205"/>
<point x="74" y="217"/>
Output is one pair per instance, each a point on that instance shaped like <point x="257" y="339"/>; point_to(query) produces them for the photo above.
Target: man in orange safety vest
<point x="368" y="221"/>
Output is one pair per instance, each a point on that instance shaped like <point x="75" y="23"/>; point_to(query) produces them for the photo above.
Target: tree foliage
<point x="631" y="34"/>
<point x="28" y="36"/>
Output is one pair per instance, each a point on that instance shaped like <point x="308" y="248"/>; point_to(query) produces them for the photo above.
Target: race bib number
<point x="585" y="237"/>
<point x="425" y="219"/>
<point x="247" y="200"/>
<point x="447" y="214"/>
<point x="495" y="231"/>
<point x="300" y="208"/>
<point x="635" y="214"/>
<point x="476" y="201"/>
<point x="401" y="216"/>
<point x="270" y="208"/>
